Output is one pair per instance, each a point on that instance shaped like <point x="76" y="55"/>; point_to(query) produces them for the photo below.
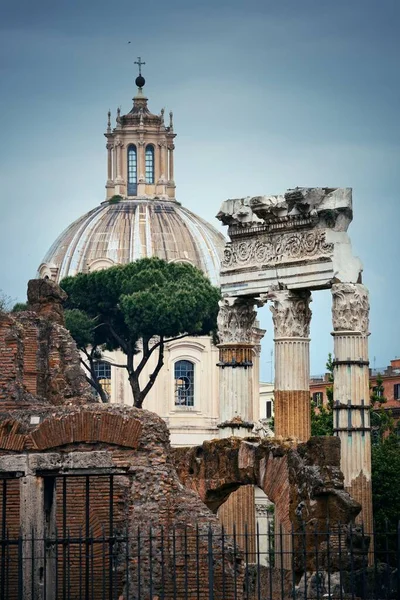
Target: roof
<point x="131" y="229"/>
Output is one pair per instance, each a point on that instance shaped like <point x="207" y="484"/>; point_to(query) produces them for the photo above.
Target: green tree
<point x="386" y="482"/>
<point x="139" y="307"/>
<point x="381" y="420"/>
<point x="19" y="307"/>
<point x="322" y="416"/>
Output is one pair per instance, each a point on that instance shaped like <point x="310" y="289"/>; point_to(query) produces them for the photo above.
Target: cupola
<point x="140" y="159"/>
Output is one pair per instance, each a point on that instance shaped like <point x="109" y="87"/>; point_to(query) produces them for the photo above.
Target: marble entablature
<point x="297" y="240"/>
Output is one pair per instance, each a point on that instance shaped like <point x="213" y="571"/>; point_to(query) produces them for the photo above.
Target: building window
<point x="318" y="398"/>
<point x="397" y="391"/>
<point x="132" y="171"/>
<point x="268" y="409"/>
<point x="149" y="164"/>
<point x="184" y="383"/>
<point x="103" y="374"/>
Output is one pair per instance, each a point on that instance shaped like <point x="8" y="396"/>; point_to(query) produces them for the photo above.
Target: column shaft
<point x="236" y="385"/>
<point x="163" y="151"/>
<point x="171" y="164"/>
<point x="109" y="162"/>
<point x="235" y="329"/>
<point x="119" y="161"/>
<point x="292" y="315"/>
<point x="292" y="394"/>
<point x="115" y="162"/>
<point x="351" y="392"/>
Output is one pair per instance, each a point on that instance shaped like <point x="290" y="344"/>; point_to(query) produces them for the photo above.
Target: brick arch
<point x="86" y="426"/>
<point x="304" y="481"/>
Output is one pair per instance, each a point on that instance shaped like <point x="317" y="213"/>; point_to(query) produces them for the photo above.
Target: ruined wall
<point x="39" y="361"/>
<point x="57" y="442"/>
<point x="133" y="445"/>
<point x="304" y="482"/>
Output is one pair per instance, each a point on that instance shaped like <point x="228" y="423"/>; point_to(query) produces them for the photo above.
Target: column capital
<point x="291" y="313"/>
<point x="350" y="308"/>
<point x="235" y="321"/>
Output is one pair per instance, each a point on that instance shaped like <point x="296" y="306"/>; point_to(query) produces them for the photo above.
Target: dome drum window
<point x="149" y="164"/>
<point x="132" y="171"/>
<point x="184" y="383"/>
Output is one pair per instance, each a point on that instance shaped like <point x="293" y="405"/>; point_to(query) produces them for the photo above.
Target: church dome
<point x="122" y="232"/>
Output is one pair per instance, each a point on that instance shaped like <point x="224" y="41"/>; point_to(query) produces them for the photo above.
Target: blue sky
<point x="266" y="96"/>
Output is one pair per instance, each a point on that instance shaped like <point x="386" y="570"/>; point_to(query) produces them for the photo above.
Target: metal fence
<point x="200" y="562"/>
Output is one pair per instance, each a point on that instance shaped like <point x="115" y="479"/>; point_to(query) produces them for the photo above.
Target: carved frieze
<point x="235" y="321"/>
<point x="350" y="307"/>
<point x="291" y="313"/>
<point x="277" y="249"/>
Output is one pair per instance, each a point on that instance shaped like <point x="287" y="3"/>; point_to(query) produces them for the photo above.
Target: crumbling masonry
<point x="57" y="442"/>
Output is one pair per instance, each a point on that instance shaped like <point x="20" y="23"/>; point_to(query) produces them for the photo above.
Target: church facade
<point x="141" y="217"/>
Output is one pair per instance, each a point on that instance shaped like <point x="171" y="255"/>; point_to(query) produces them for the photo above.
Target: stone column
<point x="141" y="169"/>
<point x="235" y="329"/>
<point x="119" y="157"/>
<point x="163" y="148"/>
<point x="171" y="164"/>
<point x="109" y="162"/>
<point x="350" y="313"/>
<point x="115" y="153"/>
<point x="291" y="315"/>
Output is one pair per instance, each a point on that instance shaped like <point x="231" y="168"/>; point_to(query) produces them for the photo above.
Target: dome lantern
<point x="140" y="150"/>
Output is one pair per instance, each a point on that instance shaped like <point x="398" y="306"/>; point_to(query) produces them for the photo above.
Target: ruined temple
<point x="70" y="466"/>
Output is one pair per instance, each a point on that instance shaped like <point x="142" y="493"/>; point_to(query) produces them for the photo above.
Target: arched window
<point x="132" y="171"/>
<point x="149" y="164"/>
<point x="184" y="383"/>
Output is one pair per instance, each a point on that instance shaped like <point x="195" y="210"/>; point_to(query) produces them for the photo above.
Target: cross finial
<point x="139" y="62"/>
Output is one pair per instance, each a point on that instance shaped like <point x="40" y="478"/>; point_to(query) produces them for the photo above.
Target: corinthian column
<point x="235" y="329"/>
<point x="350" y="314"/>
<point x="291" y="315"/>
<point x="236" y="349"/>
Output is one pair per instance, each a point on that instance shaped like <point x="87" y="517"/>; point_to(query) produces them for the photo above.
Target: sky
<point x="266" y="96"/>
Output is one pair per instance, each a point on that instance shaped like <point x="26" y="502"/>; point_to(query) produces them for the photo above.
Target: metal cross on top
<point x="139" y="63"/>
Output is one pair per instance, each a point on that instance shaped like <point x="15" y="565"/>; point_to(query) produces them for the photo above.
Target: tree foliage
<point x="386" y="482"/>
<point x="381" y="420"/>
<point x="385" y="451"/>
<point x="19" y="307"/>
<point x="139" y="307"/>
<point x="83" y="330"/>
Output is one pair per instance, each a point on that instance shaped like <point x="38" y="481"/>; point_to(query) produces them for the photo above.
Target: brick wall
<point x="96" y="440"/>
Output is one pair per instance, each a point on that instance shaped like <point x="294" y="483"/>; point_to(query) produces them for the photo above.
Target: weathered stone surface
<point x="298" y="240"/>
<point x="303" y="480"/>
<point x="46" y="299"/>
<point x="147" y="494"/>
<point x="39" y="361"/>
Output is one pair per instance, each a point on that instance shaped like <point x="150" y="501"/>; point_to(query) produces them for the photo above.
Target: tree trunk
<point x="96" y="385"/>
<point x="134" y="374"/>
<point x="137" y="394"/>
<point x="93" y="380"/>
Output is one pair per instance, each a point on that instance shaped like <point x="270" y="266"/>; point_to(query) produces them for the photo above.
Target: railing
<point x="202" y="563"/>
